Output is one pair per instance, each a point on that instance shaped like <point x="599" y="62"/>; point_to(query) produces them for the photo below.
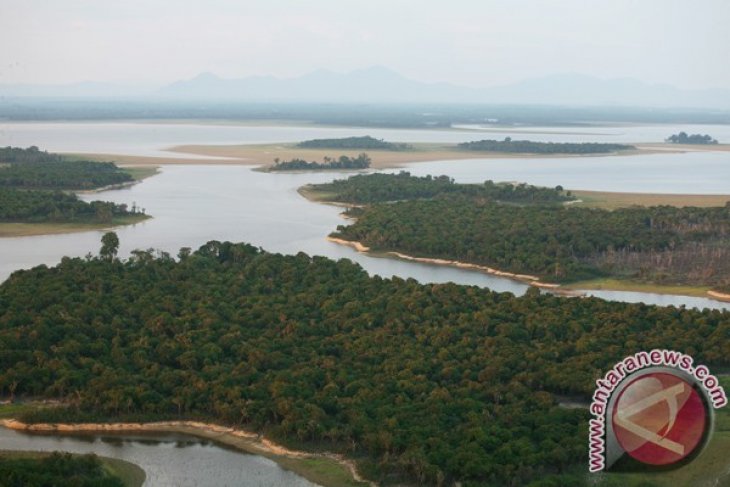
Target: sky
<point x="476" y="43"/>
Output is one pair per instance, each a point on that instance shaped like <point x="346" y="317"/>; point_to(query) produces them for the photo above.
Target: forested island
<point x="35" y="189"/>
<point x="529" y="147"/>
<point x="366" y="142"/>
<point x="437" y="218"/>
<point x="362" y="161"/>
<point x="36" y="169"/>
<point x="31" y="206"/>
<point x="684" y="138"/>
<point x="31" y="469"/>
<point x="381" y="188"/>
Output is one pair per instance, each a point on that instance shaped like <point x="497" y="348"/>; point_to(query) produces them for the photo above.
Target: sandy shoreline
<point x="523" y="278"/>
<point x="719" y="296"/>
<point x="264" y="154"/>
<point x="237" y="438"/>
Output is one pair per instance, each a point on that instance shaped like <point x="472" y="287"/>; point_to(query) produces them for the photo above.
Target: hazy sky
<point x="474" y="43"/>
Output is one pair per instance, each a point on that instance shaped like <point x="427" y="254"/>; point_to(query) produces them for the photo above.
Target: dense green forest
<point x="684" y="138"/>
<point x="660" y="244"/>
<point x="30" y="206"/>
<point x="530" y="147"/>
<point x="32" y="168"/>
<point x="55" y="470"/>
<point x="366" y="142"/>
<point x="343" y="162"/>
<point x="426" y="384"/>
<point x="378" y="187"/>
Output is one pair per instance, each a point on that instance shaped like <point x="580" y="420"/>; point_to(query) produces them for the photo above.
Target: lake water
<point x="169" y="460"/>
<point x="194" y="204"/>
<point x="151" y="138"/>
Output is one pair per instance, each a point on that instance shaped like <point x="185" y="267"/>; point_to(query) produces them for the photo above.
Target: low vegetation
<point x="526" y="146"/>
<point x="424" y="384"/>
<point x="366" y="143"/>
<point x="343" y="162"/>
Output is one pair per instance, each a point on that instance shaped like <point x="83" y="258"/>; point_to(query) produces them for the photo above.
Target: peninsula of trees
<point x="380" y="188"/>
<point x="362" y="161"/>
<point x="35" y="169"/>
<point x="529" y="147"/>
<point x="437" y="218"/>
<point x="30" y="206"/>
<point x="365" y="143"/>
<point x="420" y="384"/>
<point x="35" y="188"/>
<point x="684" y="138"/>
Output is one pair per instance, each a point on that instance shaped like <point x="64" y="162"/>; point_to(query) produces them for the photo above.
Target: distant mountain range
<point x="382" y="85"/>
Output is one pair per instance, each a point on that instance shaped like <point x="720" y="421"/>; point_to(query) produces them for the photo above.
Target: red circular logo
<point x="659" y="418"/>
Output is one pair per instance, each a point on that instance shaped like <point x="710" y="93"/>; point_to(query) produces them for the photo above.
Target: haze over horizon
<point x="470" y="44"/>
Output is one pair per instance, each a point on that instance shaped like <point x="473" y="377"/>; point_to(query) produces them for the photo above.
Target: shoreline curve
<point x="243" y="440"/>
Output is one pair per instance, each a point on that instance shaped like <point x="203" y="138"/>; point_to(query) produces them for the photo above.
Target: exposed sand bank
<point x="719" y="296"/>
<point x="244" y="440"/>
<point x="523" y="278"/>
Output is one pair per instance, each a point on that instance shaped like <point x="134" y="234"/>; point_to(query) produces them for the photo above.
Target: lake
<point x="193" y="204"/>
<point x="169" y="460"/>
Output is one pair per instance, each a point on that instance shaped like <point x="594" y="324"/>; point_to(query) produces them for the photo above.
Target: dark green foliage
<point x="31" y="168"/>
<point x="109" y="246"/>
<point x="430" y="382"/>
<point x="378" y="187"/>
<point x="527" y="146"/>
<point x="55" y="470"/>
<point x="343" y="162"/>
<point x="683" y="138"/>
<point x="32" y="206"/>
<point x="555" y="242"/>
<point x="366" y="142"/>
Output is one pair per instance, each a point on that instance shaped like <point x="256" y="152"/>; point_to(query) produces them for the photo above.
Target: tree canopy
<point x="343" y="162"/>
<point x="35" y="169"/>
<point x="366" y="142"/>
<point x="379" y="187"/>
<point x="684" y="138"/>
<point x="421" y="383"/>
<point x="530" y="147"/>
<point x="56" y="470"/>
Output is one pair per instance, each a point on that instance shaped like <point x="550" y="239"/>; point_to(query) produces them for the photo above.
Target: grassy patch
<point x="141" y="172"/>
<point x="611" y="201"/>
<point x="322" y="471"/>
<point x="643" y="287"/>
<point x="28" y="229"/>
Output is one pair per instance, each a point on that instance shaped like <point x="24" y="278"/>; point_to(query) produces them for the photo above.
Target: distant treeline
<point x="30" y="206"/>
<point x="378" y="187"/>
<point x="365" y="142"/>
<point x="57" y="470"/>
<point x="343" y="162"/>
<point x="683" y="138"/>
<point x="422" y="384"/>
<point x="527" y="146"/>
<point x="32" y="168"/>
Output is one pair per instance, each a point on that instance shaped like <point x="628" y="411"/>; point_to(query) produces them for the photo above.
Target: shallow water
<point x="169" y="460"/>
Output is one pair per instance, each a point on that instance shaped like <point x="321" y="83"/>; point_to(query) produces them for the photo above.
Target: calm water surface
<point x="151" y="138"/>
<point x="168" y="460"/>
<point x="194" y="204"/>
